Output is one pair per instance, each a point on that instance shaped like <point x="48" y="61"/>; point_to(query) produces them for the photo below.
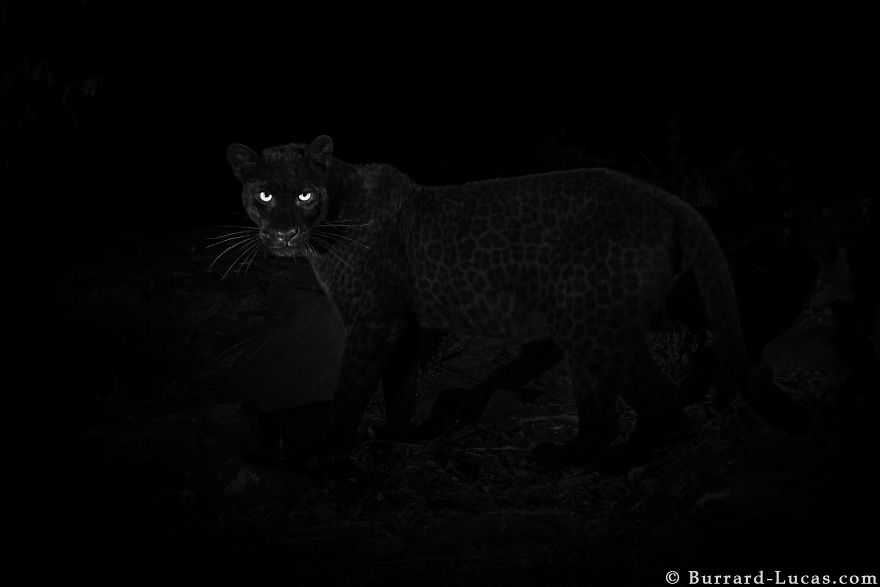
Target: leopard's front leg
<point x="366" y="347"/>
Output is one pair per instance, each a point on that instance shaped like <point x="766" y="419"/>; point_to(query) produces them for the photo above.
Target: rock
<point x="294" y="361"/>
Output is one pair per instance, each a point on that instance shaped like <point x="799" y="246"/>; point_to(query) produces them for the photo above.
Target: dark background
<point x="129" y="137"/>
<point x="115" y="118"/>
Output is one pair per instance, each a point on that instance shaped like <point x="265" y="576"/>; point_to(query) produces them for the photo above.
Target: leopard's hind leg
<point x="610" y="357"/>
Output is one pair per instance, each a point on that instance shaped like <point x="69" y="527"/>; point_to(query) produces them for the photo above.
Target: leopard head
<point x="284" y="192"/>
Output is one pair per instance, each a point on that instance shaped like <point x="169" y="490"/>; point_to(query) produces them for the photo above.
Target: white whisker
<point x="342" y="236"/>
<point x="256" y="251"/>
<point x="346" y="223"/>
<point x="321" y="240"/>
<point x="232" y="247"/>
<point x="311" y="251"/>
<point x="229" y="234"/>
<point x="242" y="237"/>
<point x="240" y="256"/>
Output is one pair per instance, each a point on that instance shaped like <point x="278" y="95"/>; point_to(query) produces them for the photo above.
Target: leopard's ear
<point x="242" y="159"/>
<point x="321" y="150"/>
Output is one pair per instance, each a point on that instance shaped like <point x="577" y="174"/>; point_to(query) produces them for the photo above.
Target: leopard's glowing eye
<point x="265" y="196"/>
<point x="305" y="196"/>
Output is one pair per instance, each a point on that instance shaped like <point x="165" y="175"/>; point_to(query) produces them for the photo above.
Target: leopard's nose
<point x="287" y="235"/>
<point x="282" y="236"/>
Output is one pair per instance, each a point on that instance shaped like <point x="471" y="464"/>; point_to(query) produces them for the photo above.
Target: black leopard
<point x="582" y="258"/>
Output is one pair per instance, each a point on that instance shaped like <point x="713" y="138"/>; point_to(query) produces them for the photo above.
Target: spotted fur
<point x="584" y="258"/>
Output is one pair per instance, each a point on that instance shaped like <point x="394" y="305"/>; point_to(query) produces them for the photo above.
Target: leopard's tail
<point x="703" y="254"/>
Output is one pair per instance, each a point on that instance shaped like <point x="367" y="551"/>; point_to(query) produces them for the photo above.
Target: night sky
<point x="444" y="97"/>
